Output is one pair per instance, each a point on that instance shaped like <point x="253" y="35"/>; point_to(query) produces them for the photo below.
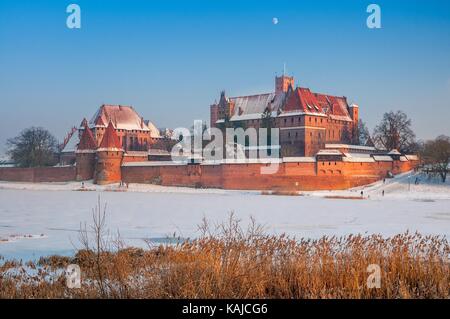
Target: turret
<point x="85" y="155"/>
<point x="354" y="113"/>
<point x="109" y="158"/>
<point x="282" y="83"/>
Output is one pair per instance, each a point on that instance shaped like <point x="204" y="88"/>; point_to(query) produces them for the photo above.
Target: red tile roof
<point x="302" y="99"/>
<point x="99" y="122"/>
<point x="87" y="141"/>
<point x="110" y="139"/>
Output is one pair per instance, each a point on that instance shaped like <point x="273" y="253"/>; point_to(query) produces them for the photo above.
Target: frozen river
<point x="34" y="223"/>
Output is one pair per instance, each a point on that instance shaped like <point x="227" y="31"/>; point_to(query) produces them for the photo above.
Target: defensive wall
<point x="291" y="173"/>
<point x="38" y="174"/>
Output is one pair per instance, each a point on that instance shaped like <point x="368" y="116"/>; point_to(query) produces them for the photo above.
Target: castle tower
<point x="85" y="155"/>
<point x="282" y="83"/>
<point x="109" y="158"/>
<point x="354" y="114"/>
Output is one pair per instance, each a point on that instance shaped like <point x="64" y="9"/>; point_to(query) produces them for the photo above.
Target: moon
<point x="275" y="20"/>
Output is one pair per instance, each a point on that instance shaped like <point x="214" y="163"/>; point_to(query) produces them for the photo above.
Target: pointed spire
<point x="87" y="141"/>
<point x="99" y="121"/>
<point x="110" y="139"/>
<point x="84" y="123"/>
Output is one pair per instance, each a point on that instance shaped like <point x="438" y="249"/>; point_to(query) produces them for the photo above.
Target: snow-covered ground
<point x="43" y="219"/>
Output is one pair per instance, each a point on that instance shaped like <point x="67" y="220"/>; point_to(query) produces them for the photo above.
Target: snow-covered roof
<point x="136" y="153"/>
<point x="299" y="159"/>
<point x="329" y="152"/>
<point x="358" y="159"/>
<point x="394" y="152"/>
<point x="382" y="158"/>
<point x="412" y="157"/>
<point x="252" y="161"/>
<point x="253" y="106"/>
<point x="72" y="144"/>
<point x="5" y="161"/>
<point x="123" y="118"/>
<point x="152" y="163"/>
<point x="296" y="113"/>
<point x="350" y="147"/>
<point x="154" y="131"/>
<point x="158" y="152"/>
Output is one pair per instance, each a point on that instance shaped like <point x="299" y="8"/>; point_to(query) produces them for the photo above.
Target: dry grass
<point x="230" y="262"/>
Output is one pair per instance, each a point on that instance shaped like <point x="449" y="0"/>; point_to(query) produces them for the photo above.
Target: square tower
<point x="282" y="83"/>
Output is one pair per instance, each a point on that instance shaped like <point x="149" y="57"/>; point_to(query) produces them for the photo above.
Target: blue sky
<point x="171" y="59"/>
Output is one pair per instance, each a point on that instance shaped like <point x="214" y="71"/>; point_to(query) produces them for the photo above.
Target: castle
<point x="115" y="135"/>
<point x="315" y="147"/>
<point x="307" y="121"/>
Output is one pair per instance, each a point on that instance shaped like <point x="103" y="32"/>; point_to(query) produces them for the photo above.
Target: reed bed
<point x="227" y="261"/>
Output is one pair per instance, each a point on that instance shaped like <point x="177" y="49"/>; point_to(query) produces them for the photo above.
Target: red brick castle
<point x="307" y="120"/>
<point x="316" y="149"/>
<point x="115" y="135"/>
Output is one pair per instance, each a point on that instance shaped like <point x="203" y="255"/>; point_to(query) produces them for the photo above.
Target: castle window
<point x="315" y="119"/>
<point x="285" y="121"/>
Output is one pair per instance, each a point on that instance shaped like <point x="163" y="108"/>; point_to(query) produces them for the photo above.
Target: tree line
<point x="395" y="132"/>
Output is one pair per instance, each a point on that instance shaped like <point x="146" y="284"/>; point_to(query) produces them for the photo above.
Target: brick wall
<point x="290" y="176"/>
<point x="38" y="174"/>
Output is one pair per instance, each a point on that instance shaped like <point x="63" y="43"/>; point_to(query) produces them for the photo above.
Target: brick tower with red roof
<point x="109" y="158"/>
<point x="85" y="155"/>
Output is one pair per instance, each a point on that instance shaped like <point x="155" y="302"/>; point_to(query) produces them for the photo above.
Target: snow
<point x="42" y="219"/>
<point x="72" y="144"/>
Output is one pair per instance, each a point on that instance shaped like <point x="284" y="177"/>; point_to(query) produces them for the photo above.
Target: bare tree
<point x="436" y="154"/>
<point x="356" y="134"/>
<point x="33" y="147"/>
<point x="101" y="242"/>
<point x="394" y="132"/>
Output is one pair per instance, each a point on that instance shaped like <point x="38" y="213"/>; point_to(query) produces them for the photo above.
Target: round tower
<point x="109" y="158"/>
<point x="85" y="155"/>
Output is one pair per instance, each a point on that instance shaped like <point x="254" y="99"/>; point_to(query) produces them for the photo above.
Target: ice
<point x="45" y="218"/>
